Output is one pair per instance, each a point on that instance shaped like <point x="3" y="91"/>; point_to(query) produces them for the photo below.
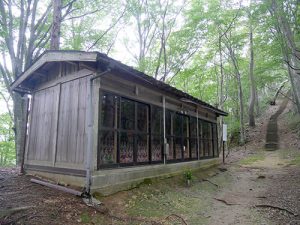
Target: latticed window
<point x="131" y="132"/>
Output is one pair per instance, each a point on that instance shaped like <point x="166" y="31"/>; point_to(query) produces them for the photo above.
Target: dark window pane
<point x="108" y="110"/>
<point x="193" y="147"/>
<point x="206" y="145"/>
<point x="186" y="148"/>
<point x="201" y="147"/>
<point x="108" y="147"/>
<point x="168" y="122"/>
<point x="156" y="148"/>
<point x="211" y="150"/>
<point x="127" y="114"/>
<point x="185" y="126"/>
<point x="171" y="148"/>
<point x="215" y="138"/>
<point x="204" y="130"/>
<point x="142" y="117"/>
<point x="193" y="127"/>
<point x="126" y="147"/>
<point x="142" y="148"/>
<point x="178" y="148"/>
<point x="177" y="125"/>
<point x="157" y="120"/>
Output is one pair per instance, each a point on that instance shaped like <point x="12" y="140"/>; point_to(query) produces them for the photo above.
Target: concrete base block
<point x="59" y="178"/>
<point x="109" y="181"/>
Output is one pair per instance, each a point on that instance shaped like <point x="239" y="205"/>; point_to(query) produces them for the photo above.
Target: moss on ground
<point x="171" y="196"/>
<point x="296" y="161"/>
<point x="291" y="156"/>
<point x="252" y="158"/>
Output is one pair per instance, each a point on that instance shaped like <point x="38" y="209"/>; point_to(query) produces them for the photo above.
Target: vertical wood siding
<point x="41" y="140"/>
<point x="71" y="140"/>
<point x="58" y="126"/>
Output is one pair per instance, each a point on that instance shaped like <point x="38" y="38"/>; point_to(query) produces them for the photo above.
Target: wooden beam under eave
<point x="87" y="66"/>
<point x="60" y="56"/>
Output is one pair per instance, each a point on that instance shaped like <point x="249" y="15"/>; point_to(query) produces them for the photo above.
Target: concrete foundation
<point x="106" y="182"/>
<point x="109" y="181"/>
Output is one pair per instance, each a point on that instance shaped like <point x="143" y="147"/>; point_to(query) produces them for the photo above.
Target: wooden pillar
<point x="198" y="142"/>
<point x="54" y="152"/>
<point x="164" y="128"/>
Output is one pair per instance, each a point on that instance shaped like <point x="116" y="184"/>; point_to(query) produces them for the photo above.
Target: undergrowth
<point x="252" y="158"/>
<point x="294" y="122"/>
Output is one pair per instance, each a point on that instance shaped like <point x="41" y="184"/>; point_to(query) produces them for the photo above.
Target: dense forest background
<point x="236" y="55"/>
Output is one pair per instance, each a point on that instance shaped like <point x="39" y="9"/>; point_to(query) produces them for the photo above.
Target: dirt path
<point x="257" y="190"/>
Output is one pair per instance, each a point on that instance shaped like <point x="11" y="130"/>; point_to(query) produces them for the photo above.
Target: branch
<point x="69" y="4"/>
<point x="108" y="29"/>
<point x="276" y="207"/>
<point x="85" y="14"/>
<point x="288" y="63"/>
<point x="231" y="23"/>
<point x="7" y="105"/>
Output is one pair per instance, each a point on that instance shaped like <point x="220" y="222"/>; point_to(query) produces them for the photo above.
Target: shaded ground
<point x="254" y="187"/>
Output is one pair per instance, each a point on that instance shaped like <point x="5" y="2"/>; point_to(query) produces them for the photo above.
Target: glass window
<point x="157" y="120"/>
<point x="215" y="140"/>
<point x="177" y="125"/>
<point x="193" y="147"/>
<point x="109" y="110"/>
<point x="127" y="114"/>
<point x="126" y="147"/>
<point x="142" y="148"/>
<point x="168" y="122"/>
<point x="142" y="117"/>
<point x="185" y="126"/>
<point x="178" y="148"/>
<point x="108" y="147"/>
<point x="193" y="127"/>
<point x="156" y="148"/>
<point x="186" y="148"/>
<point x="171" y="154"/>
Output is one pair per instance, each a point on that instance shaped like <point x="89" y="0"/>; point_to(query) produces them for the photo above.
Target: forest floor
<point x="253" y="187"/>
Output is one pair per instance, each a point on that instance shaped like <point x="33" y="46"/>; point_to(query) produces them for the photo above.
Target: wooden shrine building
<point x="97" y="123"/>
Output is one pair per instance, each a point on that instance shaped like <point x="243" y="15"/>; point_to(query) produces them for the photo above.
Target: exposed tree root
<point x="276" y="207"/>
<point x="224" y="201"/>
<point x="176" y="216"/>
<point x="211" y="182"/>
<point x="106" y="212"/>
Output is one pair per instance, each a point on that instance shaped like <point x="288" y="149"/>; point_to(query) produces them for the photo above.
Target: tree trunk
<point x="19" y="120"/>
<point x="240" y="93"/>
<point x="288" y="47"/>
<point x="221" y="96"/>
<point x="55" y="31"/>
<point x="252" y="81"/>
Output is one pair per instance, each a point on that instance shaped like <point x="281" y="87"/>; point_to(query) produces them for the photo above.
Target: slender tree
<point x="251" y="73"/>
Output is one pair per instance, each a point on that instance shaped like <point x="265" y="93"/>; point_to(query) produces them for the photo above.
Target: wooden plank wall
<point x="58" y="135"/>
<point x="71" y="141"/>
<point x="41" y="140"/>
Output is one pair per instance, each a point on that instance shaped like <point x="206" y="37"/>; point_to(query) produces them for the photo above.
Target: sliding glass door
<point x="124" y="131"/>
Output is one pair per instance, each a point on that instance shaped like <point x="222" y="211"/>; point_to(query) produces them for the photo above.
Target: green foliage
<point x="7" y="144"/>
<point x="294" y="122"/>
<point x="85" y="218"/>
<point x="188" y="175"/>
<point x="252" y="159"/>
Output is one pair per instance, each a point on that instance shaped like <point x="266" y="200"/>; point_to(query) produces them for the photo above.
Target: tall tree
<point x="56" y="24"/>
<point x="251" y="71"/>
<point x="286" y="15"/>
<point x="24" y="34"/>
